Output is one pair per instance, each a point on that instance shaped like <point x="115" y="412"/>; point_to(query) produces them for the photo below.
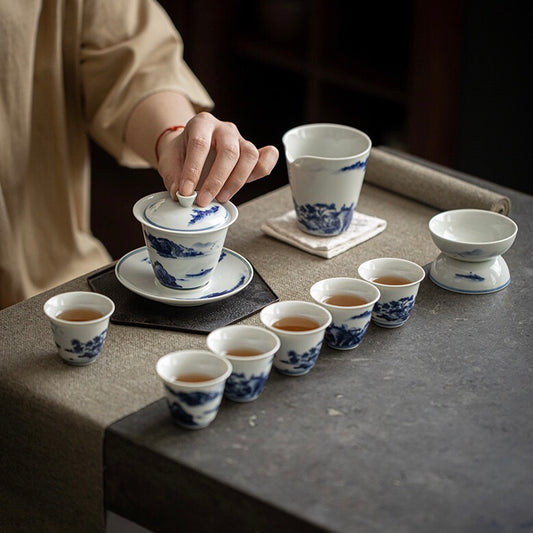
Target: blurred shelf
<point x="358" y="77"/>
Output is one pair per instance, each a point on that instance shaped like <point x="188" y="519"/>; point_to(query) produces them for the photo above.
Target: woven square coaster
<point x="362" y="228"/>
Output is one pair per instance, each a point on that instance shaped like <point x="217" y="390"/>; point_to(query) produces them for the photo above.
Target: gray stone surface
<point x="428" y="427"/>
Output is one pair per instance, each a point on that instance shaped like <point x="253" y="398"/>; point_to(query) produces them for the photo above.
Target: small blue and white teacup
<point x="193" y="383"/>
<point x="398" y="281"/>
<point x="251" y="351"/>
<point x="350" y="302"/>
<point x="300" y="327"/>
<point x="79" y="321"/>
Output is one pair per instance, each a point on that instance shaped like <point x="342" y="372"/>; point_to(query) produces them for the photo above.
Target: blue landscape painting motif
<point x="323" y="218"/>
<point x="167" y="279"/>
<point x="197" y="215"/>
<point x="394" y="312"/>
<point x="166" y="248"/>
<point x="301" y="363"/>
<point x="241" y="281"/>
<point x="89" y="349"/>
<point x="192" y="399"/>
<point x="239" y="387"/>
<point x="345" y="337"/>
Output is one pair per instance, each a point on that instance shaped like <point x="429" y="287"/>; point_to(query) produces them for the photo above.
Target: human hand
<point x="212" y="157"/>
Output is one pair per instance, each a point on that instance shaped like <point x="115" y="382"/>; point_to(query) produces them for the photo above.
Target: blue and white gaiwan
<point x="184" y="241"/>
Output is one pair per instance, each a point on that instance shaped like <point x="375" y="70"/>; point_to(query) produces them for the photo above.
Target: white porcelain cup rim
<point x="243" y="327"/>
<point x="323" y="125"/>
<point x="398" y="260"/>
<point x="313" y="305"/>
<point x="95" y="296"/>
<point x="316" y="286"/>
<point x="194" y="385"/>
<point x="436" y="219"/>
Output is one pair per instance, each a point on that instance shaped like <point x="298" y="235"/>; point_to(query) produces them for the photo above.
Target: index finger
<point x="197" y="150"/>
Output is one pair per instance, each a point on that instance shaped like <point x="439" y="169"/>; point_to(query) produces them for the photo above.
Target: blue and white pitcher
<point x="326" y="164"/>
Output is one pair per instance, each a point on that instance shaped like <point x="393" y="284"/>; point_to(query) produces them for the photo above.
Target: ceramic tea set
<point x="472" y="242"/>
<point x="326" y="165"/>
<point x="184" y="262"/>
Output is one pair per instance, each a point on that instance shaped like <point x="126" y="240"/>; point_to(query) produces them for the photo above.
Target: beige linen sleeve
<point x="130" y="49"/>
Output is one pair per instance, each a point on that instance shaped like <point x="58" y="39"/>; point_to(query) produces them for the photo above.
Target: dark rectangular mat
<point x="134" y="310"/>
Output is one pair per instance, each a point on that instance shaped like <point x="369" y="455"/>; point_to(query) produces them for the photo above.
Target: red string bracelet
<point x="166" y="130"/>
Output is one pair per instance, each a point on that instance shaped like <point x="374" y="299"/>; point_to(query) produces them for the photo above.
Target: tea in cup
<point x="193" y="383"/>
<point x="398" y="281"/>
<point x="79" y="321"/>
<point x="350" y="302"/>
<point x="326" y="164"/>
<point x="251" y="351"/>
<point x="300" y="327"/>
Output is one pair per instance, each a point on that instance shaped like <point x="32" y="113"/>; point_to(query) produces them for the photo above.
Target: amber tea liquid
<point x="391" y="280"/>
<point x="345" y="300"/>
<point x="193" y="377"/>
<point x="296" y="323"/>
<point x="79" y="315"/>
<point x="243" y="352"/>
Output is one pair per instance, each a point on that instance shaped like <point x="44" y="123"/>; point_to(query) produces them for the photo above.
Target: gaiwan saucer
<point x="470" y="278"/>
<point x="232" y="275"/>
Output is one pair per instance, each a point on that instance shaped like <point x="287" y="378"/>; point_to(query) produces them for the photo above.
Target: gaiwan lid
<point x="161" y="211"/>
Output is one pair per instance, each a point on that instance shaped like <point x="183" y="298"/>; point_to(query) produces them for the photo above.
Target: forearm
<point x="151" y="116"/>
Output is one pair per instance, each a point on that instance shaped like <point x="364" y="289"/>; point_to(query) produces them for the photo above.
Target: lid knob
<point x="186" y="201"/>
